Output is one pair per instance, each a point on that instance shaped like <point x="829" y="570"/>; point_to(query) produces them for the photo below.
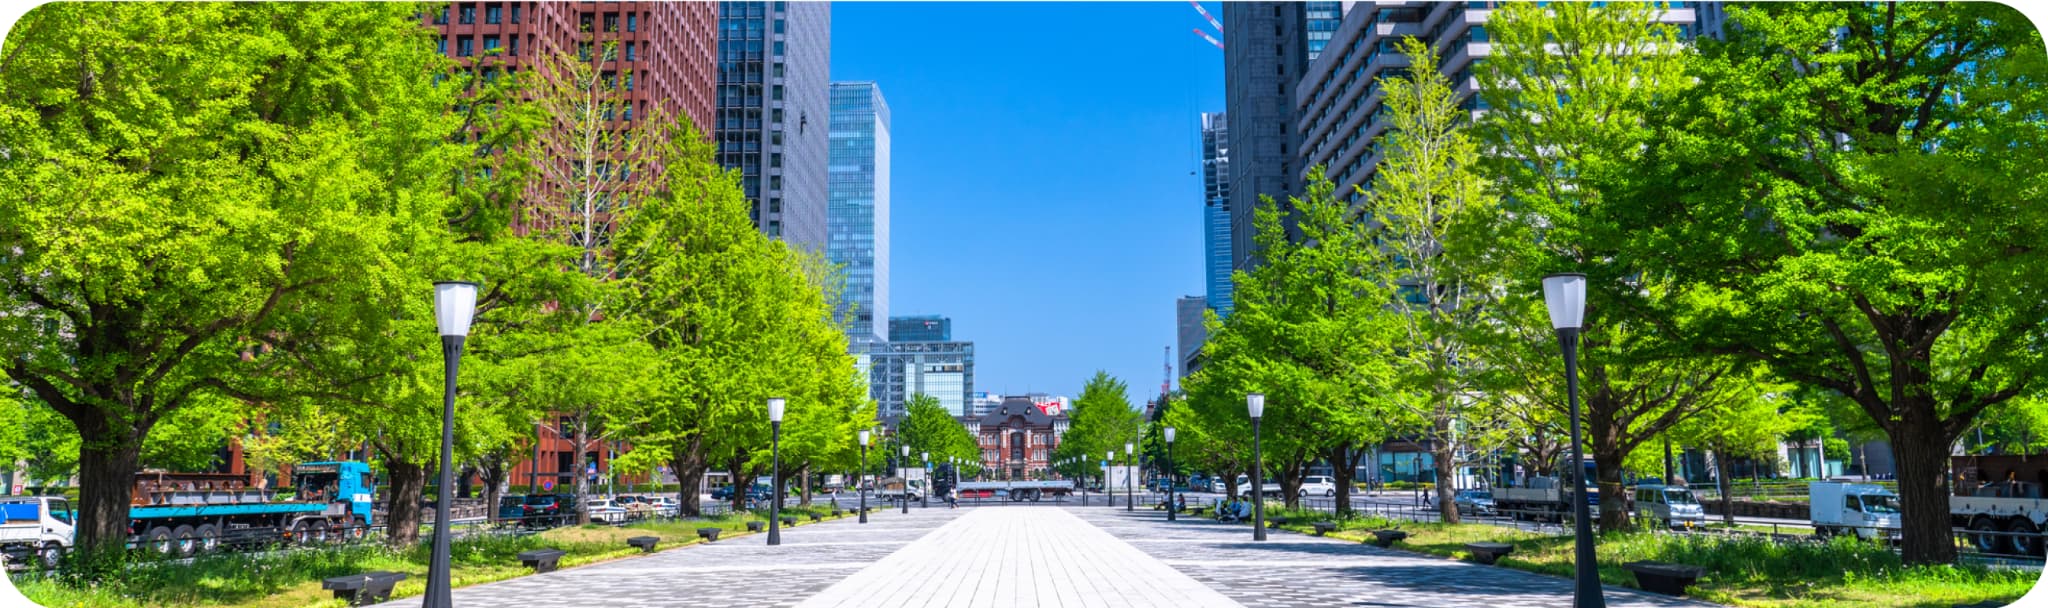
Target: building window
<point x="632" y="22"/>
<point x="611" y="22"/>
<point x="778" y="26"/>
<point x="515" y="12"/>
<point x="468" y="14"/>
<point x="494" y="14"/>
<point x="778" y="93"/>
<point x="778" y="48"/>
<point x="775" y="203"/>
<point x="441" y="46"/>
<point x="441" y="18"/>
<point x="775" y="160"/>
<point x="466" y="46"/>
<point x="490" y="44"/>
<point x="514" y="48"/>
<point x="630" y="55"/>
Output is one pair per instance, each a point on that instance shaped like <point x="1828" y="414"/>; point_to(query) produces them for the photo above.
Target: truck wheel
<point x="49" y="555"/>
<point x="2026" y="539"/>
<point x="1987" y="540"/>
<point x="158" y="540"/>
<point x="187" y="540"/>
<point x="209" y="538"/>
<point x="358" y="529"/>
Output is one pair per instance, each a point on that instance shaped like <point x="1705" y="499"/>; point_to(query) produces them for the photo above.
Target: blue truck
<point x="180" y="514"/>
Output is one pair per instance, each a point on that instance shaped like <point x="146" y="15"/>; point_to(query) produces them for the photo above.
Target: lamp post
<point x="905" y="495"/>
<point x="1130" y="500"/>
<point x="925" y="501"/>
<point x="864" y="434"/>
<point x="1565" y="295"/>
<point x="1169" y="474"/>
<point x="775" y="470"/>
<point x="1256" y="404"/>
<point x="454" y="308"/>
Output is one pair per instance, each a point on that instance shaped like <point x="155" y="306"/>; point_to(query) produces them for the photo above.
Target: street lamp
<point x="1169" y="474"/>
<point x="864" y="433"/>
<point x="454" y="308"/>
<point x="1256" y="404"/>
<point x="926" y="500"/>
<point x="1108" y="491"/>
<point x="906" y="478"/>
<point x="1565" y="295"/>
<point x="1130" y="501"/>
<point x="775" y="470"/>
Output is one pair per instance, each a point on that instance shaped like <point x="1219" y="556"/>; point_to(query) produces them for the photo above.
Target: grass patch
<point x="1739" y="571"/>
<point x="292" y="579"/>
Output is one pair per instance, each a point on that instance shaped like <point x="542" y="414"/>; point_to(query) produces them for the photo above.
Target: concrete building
<point x="774" y="112"/>
<point x="981" y="403"/>
<point x="898" y="370"/>
<point x="857" y="225"/>
<point x="920" y="328"/>
<point x="1188" y="321"/>
<point x="1337" y="106"/>
<point x="1216" y="247"/>
<point x="1267" y="46"/>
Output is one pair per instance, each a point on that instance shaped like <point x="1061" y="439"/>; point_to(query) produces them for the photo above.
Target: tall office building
<point x="774" y="112"/>
<point x="1187" y="315"/>
<point x="1216" y="212"/>
<point x="943" y="370"/>
<point x="857" y="225"/>
<point x="664" y="47"/>
<point x="1267" y="45"/>
<point x="1338" y="104"/>
<point x="920" y="328"/>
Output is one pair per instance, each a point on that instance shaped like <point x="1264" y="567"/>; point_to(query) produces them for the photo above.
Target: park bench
<point x="1197" y="510"/>
<point x="363" y="589"/>
<point x="710" y="535"/>
<point x="644" y="543"/>
<point x="836" y="511"/>
<point x="1275" y="522"/>
<point x="1486" y="553"/>
<point x="1324" y="527"/>
<point x="1660" y="577"/>
<point x="542" y="560"/>
<point x="1387" y="538"/>
<point x="755" y="526"/>
<point x="816" y="517"/>
<point x="788" y="522"/>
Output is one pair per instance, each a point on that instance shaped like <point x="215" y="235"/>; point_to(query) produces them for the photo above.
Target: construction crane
<point x="1212" y="23"/>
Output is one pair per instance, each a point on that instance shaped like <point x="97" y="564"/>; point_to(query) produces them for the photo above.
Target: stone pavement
<point x="1300" y="571"/>
<point x="1018" y="556"/>
<point x="1035" y="556"/>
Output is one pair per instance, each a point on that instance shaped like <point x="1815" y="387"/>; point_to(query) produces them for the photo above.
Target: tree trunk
<point x="106" y="486"/>
<point x="1724" y="468"/>
<point x="688" y="463"/>
<point x="1343" y="459"/>
<point x="1922" y="454"/>
<point x="582" y="465"/>
<point x="402" y="517"/>
<point x="462" y="481"/>
<point x="740" y="486"/>
<point x="1607" y="459"/>
<point x="1445" y="465"/>
<point x="1290" y="482"/>
<point x="805" y="475"/>
<point x="492" y="474"/>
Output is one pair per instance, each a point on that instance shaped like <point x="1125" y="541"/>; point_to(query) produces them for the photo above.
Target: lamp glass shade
<point x="454" y="306"/>
<point x="1127" y="449"/>
<point x="775" y="409"/>
<point x="863" y="438"/>
<point x="1256" y="402"/>
<point x="906" y="451"/>
<point x="1565" y="295"/>
<point x="1169" y="434"/>
<point x="925" y="455"/>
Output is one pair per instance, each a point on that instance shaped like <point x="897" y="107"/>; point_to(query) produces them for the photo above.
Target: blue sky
<point x="1046" y="186"/>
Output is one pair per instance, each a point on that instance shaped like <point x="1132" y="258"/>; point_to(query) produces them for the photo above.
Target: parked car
<point x="758" y="493"/>
<point x="1672" y="506"/>
<point x="541" y="510"/>
<point x="512" y="506"/>
<point x="664" y="506"/>
<point x="637" y="507"/>
<point x="607" y="511"/>
<point x="1199" y="483"/>
<point x="1474" y="502"/>
<point x="1318" y="485"/>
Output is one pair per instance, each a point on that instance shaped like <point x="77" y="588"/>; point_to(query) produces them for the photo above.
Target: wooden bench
<point x="1387" y="538"/>
<point x="1486" y="553"/>
<point x="1660" y="577"/>
<point x="755" y="526"/>
<point x="542" y="560"/>
<point x="1324" y="527"/>
<point x="710" y="535"/>
<point x="363" y="589"/>
<point x="644" y="543"/>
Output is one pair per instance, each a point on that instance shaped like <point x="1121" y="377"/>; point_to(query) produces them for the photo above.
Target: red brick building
<point x="667" y="46"/>
<point x="1017" y="440"/>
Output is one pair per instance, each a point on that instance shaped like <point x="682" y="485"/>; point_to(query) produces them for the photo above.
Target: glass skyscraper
<point x="1216" y="253"/>
<point x="857" y="223"/>
<point x="774" y="72"/>
<point x="920" y="328"/>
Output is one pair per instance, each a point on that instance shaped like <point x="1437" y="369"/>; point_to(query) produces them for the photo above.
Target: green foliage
<point x="929" y="429"/>
<point x="1101" y="421"/>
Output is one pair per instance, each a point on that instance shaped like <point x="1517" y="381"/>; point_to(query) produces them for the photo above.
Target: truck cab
<point x="35" y="526"/>
<point x="348" y="487"/>
<point x="1864" y="510"/>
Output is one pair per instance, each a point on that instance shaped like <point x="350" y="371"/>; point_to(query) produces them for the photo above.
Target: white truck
<point x="2000" y="499"/>
<point x="1864" y="510"/>
<point x="1268" y="487"/>
<point x="895" y="488"/>
<point x="37" y="527"/>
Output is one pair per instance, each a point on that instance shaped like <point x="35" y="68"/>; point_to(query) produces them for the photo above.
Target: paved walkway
<point x="1035" y="556"/>
<point x="1018" y="556"/>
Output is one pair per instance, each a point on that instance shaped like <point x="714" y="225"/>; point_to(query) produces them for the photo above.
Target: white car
<point x="603" y="510"/>
<point x="1318" y="485"/>
<point x="665" y="506"/>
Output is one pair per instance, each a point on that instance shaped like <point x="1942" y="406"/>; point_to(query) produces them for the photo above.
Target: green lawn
<point x="292" y="579"/>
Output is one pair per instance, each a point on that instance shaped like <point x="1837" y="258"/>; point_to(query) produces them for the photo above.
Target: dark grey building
<point x="1267" y="46"/>
<point x="920" y="328"/>
<point x="1188" y="320"/>
<point x="774" y="112"/>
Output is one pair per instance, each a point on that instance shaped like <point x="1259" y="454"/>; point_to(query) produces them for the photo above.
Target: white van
<point x="1671" y="506"/>
<point x="1865" y="510"/>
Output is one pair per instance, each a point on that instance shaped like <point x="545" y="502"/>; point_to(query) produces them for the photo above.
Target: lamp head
<point x="454" y="306"/>
<point x="1127" y="449"/>
<point x="775" y="409"/>
<point x="1565" y="294"/>
<point x="1256" y="403"/>
<point x="864" y="433"/>
<point x="1169" y="434"/>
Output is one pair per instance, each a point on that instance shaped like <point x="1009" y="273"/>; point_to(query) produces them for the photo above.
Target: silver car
<point x="1671" y="506"/>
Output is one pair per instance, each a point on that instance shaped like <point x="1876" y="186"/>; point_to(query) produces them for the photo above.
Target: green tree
<point x="187" y="188"/>
<point x="1102" y="420"/>
<point x="1860" y="185"/>
<point x="928" y="428"/>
